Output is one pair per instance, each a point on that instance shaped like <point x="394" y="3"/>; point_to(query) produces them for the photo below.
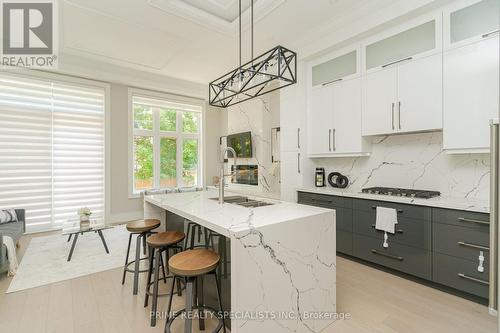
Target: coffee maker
<point x="319" y="179"/>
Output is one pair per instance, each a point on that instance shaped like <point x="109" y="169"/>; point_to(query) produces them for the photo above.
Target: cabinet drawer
<point x="409" y="231"/>
<point x="324" y="200"/>
<point x="344" y="242"/>
<point x="403" y="258"/>
<point x="477" y="221"/>
<point x="460" y="274"/>
<point x="460" y="242"/>
<point x="409" y="211"/>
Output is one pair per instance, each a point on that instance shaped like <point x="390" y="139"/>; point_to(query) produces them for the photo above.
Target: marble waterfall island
<point x="282" y="259"/>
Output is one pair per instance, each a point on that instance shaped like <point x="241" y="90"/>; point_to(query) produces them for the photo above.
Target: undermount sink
<point x="244" y="201"/>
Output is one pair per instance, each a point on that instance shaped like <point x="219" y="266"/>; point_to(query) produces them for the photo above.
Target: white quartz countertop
<point x="438" y="202"/>
<point x="229" y="218"/>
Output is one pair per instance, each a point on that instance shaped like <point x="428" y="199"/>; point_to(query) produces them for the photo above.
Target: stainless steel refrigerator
<point x="494" y="217"/>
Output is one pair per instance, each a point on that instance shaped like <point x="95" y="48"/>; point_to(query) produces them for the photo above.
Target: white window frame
<point x="157" y="135"/>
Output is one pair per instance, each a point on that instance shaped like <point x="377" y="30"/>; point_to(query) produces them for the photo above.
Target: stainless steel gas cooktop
<point x="401" y="192"/>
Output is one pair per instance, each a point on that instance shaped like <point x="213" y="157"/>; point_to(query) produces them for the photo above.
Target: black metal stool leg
<point x="126" y="259"/>
<point x="150" y="273"/>
<point x="136" y="264"/>
<point x="200" y="303"/>
<point x="179" y="288"/>
<point x="163" y="266"/>
<point x="219" y="299"/>
<point x="169" y="307"/>
<point x="155" y="288"/>
<point x="189" y="306"/>
<point x="188" y="235"/>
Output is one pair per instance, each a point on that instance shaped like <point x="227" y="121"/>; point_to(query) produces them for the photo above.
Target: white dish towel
<point x="387" y="218"/>
<point x="11" y="255"/>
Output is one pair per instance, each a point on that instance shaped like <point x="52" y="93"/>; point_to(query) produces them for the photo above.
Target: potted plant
<point x="84" y="214"/>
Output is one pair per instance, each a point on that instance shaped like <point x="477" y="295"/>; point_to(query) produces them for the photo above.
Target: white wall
<point x="121" y="207"/>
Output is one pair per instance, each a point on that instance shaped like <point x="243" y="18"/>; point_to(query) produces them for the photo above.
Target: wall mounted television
<point x="241" y="143"/>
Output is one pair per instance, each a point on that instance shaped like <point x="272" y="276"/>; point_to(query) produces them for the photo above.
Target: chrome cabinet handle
<point x="474" y="246"/>
<point x="330" y="140"/>
<point x="322" y="201"/>
<point x="399" y="231"/>
<point x="334" y="139"/>
<point x="392" y="119"/>
<point x="390" y="256"/>
<point x="463" y="276"/>
<point x="397" y="61"/>
<point x="400" y="211"/>
<point x="298" y="162"/>
<point x="298" y="137"/>
<point x="330" y="82"/>
<point x="488" y="34"/>
<point x="399" y="114"/>
<point x="463" y="219"/>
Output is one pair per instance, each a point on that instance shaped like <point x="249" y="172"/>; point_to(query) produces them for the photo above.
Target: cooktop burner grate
<point x="401" y="192"/>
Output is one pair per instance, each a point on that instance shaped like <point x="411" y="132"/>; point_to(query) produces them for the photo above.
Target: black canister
<point x="319" y="179"/>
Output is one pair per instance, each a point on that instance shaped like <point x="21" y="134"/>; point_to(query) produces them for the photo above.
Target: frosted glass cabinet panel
<point x="335" y="69"/>
<point x="410" y="42"/>
<point x="474" y="20"/>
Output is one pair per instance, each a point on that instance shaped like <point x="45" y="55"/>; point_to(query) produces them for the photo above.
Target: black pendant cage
<point x="275" y="69"/>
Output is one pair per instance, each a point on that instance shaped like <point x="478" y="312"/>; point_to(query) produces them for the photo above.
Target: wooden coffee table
<point x="74" y="228"/>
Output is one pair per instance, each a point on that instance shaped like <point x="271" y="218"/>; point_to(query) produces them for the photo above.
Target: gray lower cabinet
<point x="459" y="240"/>
<point x="343" y="212"/>
<point x="344" y="242"/>
<point x="460" y="274"/>
<point x="407" y="259"/>
<point x="442" y="245"/>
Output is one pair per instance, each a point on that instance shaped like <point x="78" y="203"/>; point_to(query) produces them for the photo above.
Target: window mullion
<point x="180" y="181"/>
<point x="156" y="148"/>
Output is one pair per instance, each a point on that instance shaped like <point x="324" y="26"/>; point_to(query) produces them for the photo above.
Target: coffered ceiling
<point x="197" y="40"/>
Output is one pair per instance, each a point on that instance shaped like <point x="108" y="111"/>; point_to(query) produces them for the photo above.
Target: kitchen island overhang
<point x="283" y="259"/>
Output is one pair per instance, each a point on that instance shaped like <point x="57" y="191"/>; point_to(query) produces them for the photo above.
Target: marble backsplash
<point x="415" y="161"/>
<point x="257" y="116"/>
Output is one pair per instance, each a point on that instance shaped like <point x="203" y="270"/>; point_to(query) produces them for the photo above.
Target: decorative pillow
<point x="8" y="215"/>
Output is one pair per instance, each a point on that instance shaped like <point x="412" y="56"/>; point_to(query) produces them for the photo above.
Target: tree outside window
<point x="169" y="137"/>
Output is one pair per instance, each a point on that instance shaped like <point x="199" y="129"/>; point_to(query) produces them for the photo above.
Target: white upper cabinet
<point x="470" y="74"/>
<point x="470" y="95"/>
<point x="334" y="125"/>
<point x="402" y="90"/>
<point x="469" y="21"/>
<point x="420" y="97"/>
<point x="346" y="135"/>
<point x="417" y="38"/>
<point x="379" y="102"/>
<point x="293" y="115"/>
<point x="334" y="114"/>
<point x="338" y="68"/>
<point x="406" y="97"/>
<point x="320" y="120"/>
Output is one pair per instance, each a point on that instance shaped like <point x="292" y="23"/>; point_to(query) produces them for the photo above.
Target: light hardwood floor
<point x="377" y="302"/>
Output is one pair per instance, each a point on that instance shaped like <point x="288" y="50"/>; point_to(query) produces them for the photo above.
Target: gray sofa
<point x="14" y="230"/>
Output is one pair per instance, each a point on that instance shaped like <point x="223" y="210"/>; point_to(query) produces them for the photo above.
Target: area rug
<point x="45" y="259"/>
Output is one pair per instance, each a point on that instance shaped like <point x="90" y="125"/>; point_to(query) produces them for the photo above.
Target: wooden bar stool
<point x="141" y="228"/>
<point x="158" y="244"/>
<point x="193" y="265"/>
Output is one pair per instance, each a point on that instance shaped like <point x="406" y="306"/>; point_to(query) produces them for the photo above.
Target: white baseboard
<point x="126" y="217"/>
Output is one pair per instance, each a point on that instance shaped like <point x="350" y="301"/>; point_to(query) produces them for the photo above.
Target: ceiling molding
<point x="184" y="10"/>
